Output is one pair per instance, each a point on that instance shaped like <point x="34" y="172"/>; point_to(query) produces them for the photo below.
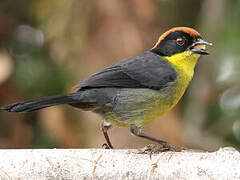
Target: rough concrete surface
<point x="118" y="164"/>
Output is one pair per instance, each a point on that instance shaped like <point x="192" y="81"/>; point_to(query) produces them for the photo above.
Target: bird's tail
<point x="35" y="104"/>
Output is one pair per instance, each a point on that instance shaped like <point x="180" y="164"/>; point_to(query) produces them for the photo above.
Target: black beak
<point x="198" y="49"/>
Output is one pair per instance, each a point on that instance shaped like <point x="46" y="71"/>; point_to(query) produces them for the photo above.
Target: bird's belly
<point x="141" y="106"/>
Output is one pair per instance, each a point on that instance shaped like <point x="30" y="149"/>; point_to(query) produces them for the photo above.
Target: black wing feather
<point x="110" y="77"/>
<point x="147" y="70"/>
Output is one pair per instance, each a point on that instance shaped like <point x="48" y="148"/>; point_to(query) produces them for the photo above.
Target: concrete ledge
<point x="118" y="164"/>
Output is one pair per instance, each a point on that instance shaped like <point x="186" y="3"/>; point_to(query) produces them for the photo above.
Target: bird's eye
<point x="180" y="41"/>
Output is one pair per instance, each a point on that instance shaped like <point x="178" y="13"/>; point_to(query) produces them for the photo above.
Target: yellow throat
<point x="184" y="63"/>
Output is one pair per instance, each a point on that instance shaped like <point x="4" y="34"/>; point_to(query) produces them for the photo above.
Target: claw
<point x="146" y="149"/>
<point x="152" y="149"/>
<point x="165" y="149"/>
<point x="105" y="146"/>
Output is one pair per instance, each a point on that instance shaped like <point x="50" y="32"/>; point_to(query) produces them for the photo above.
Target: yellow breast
<point x="145" y="105"/>
<point x="184" y="64"/>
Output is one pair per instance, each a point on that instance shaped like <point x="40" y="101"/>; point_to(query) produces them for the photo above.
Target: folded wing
<point x="147" y="70"/>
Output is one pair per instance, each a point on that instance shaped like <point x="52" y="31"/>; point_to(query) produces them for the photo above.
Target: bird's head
<point x="181" y="44"/>
<point x="180" y="39"/>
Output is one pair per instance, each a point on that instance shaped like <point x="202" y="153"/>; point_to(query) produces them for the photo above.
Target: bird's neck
<point x="184" y="63"/>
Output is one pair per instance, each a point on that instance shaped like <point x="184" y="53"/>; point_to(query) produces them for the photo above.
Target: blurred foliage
<point x="29" y="79"/>
<point x="46" y="47"/>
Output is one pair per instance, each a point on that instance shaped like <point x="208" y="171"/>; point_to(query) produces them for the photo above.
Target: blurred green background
<point x="46" y="47"/>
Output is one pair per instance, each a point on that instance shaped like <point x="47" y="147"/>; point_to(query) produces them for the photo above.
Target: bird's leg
<point x="105" y="128"/>
<point x="165" y="145"/>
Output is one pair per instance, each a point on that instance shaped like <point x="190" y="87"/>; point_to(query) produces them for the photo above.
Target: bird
<point x="135" y="91"/>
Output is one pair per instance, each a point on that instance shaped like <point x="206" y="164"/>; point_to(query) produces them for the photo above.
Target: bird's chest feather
<point x="184" y="65"/>
<point x="141" y="106"/>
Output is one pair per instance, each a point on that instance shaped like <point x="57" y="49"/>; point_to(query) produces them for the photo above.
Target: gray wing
<point x="148" y="70"/>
